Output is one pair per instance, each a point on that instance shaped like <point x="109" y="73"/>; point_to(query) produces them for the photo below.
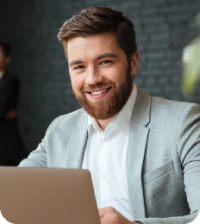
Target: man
<point x="11" y="150"/>
<point x="143" y="152"/>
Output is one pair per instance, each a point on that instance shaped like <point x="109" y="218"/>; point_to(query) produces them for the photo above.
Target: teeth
<point x="99" y="92"/>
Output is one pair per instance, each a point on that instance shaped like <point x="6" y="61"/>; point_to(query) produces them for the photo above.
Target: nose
<point x="93" y="76"/>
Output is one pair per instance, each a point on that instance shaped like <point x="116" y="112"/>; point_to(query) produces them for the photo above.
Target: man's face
<point x="4" y="60"/>
<point x="101" y="76"/>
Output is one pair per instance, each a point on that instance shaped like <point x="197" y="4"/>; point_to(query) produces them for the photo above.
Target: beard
<point x="107" y="108"/>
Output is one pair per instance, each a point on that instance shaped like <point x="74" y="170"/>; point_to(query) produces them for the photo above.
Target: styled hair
<point x="6" y="48"/>
<point x="96" y="20"/>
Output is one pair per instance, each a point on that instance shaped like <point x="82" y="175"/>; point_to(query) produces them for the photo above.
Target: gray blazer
<point x="163" y="161"/>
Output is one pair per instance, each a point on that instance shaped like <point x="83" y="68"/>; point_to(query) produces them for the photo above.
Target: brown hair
<point x="95" y="20"/>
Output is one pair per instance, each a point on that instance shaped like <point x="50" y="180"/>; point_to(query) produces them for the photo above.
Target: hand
<point x="109" y="215"/>
<point x="11" y="114"/>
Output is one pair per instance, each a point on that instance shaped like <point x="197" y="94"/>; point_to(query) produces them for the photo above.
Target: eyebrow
<point x="105" y="55"/>
<point x="75" y="62"/>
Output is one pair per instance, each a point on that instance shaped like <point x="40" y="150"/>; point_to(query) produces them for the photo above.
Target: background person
<point x="11" y="147"/>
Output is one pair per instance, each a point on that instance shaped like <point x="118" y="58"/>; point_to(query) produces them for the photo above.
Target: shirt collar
<point x="92" y="123"/>
<point x="122" y="120"/>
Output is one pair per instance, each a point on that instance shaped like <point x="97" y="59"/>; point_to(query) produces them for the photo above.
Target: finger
<point x="105" y="210"/>
<point x="101" y="212"/>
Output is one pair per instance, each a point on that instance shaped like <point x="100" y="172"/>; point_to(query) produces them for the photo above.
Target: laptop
<point x="47" y="196"/>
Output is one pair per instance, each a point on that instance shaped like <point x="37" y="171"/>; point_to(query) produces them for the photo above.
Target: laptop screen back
<point x="47" y="196"/>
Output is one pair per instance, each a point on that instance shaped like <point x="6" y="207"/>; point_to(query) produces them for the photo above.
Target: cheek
<point x="116" y="75"/>
<point x="77" y="83"/>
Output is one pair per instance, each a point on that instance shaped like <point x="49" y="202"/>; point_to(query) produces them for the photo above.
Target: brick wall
<point x="162" y="28"/>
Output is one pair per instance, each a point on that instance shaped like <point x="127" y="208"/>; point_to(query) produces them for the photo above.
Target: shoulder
<point x="164" y="113"/>
<point x="173" y="117"/>
<point x="172" y="108"/>
<point x="70" y="121"/>
<point x="155" y="110"/>
<point x="164" y="105"/>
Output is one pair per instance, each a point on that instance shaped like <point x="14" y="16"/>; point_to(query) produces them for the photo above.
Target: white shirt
<point x="105" y="157"/>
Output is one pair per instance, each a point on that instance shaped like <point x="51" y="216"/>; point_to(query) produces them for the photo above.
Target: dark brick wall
<point x="162" y="28"/>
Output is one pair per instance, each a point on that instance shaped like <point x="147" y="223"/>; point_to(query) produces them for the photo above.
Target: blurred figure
<point x="11" y="147"/>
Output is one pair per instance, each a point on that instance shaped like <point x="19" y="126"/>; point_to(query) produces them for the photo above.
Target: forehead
<point x="91" y="45"/>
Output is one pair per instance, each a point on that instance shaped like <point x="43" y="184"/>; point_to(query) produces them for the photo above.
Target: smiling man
<point x="102" y="78"/>
<point x="143" y="152"/>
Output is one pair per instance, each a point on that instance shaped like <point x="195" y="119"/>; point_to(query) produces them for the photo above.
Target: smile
<point x="98" y="92"/>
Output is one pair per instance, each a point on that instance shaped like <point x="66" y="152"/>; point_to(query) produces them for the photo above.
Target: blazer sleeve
<point x="188" y="150"/>
<point x="187" y="219"/>
<point x="39" y="157"/>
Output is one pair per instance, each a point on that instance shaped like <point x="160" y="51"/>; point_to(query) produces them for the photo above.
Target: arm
<point x="46" y="152"/>
<point x="171" y="220"/>
<point x="38" y="157"/>
<point x="109" y="215"/>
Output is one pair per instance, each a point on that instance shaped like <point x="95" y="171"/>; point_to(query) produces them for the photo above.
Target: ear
<point x="134" y="63"/>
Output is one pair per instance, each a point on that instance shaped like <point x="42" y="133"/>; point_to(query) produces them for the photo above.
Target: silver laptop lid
<point x="47" y="196"/>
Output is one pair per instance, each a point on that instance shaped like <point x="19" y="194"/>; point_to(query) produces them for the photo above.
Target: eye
<point x="105" y="62"/>
<point x="79" y="67"/>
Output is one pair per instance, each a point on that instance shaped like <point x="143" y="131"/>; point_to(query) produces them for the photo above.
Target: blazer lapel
<point x="76" y="146"/>
<point x="136" y="151"/>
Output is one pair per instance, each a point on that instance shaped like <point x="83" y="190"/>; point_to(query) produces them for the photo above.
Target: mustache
<point x="99" y="85"/>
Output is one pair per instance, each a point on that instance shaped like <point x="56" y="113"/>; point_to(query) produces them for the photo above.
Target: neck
<point x="103" y="123"/>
